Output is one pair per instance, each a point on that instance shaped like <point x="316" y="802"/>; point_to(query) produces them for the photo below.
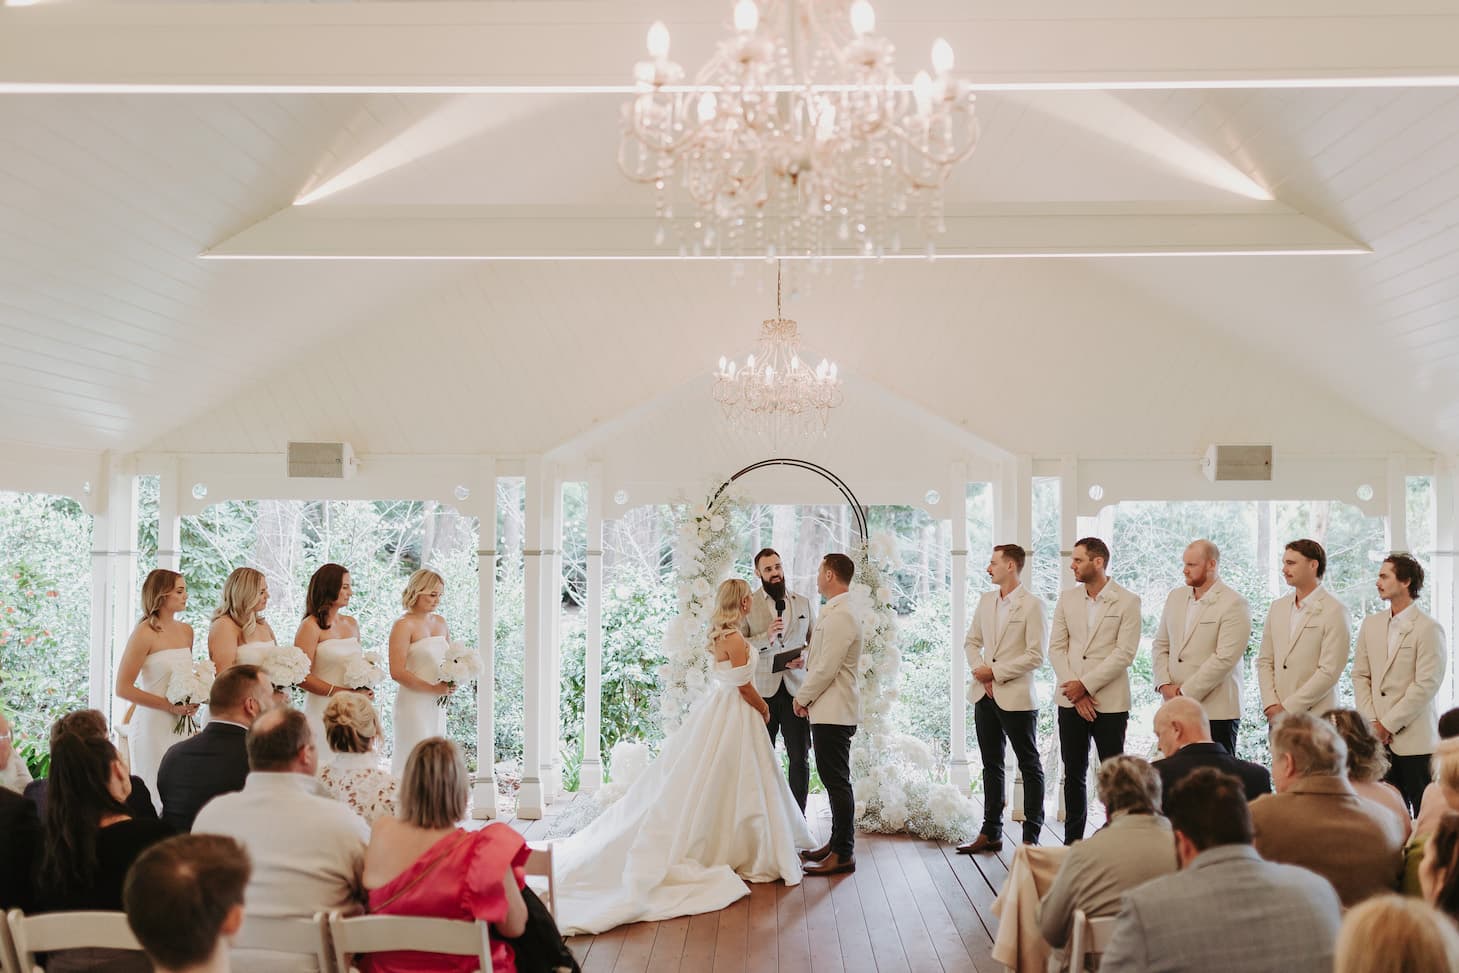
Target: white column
<point x="590" y="777"/>
<point x="1397" y="518"/>
<point x="120" y="609"/>
<point x="1445" y="577"/>
<point x="1069" y="495"/>
<point x="552" y="659"/>
<point x="169" y="518"/>
<point x="530" y="798"/>
<point x="483" y="785"/>
<point x="960" y="769"/>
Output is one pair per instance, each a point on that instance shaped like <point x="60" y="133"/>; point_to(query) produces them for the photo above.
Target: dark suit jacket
<point x="139" y="802"/>
<point x="198" y="769"/>
<point x="1254" y="777"/>
<point x="20" y="844"/>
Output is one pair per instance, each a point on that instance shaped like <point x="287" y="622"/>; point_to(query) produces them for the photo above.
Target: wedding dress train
<point x="713" y="811"/>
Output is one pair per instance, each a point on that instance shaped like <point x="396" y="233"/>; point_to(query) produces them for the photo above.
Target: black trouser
<point x="1108" y="733"/>
<point x="833" y="762"/>
<point x="797" y="731"/>
<point x="992" y="724"/>
<point x="1224" y="733"/>
<point x="1411" y="775"/>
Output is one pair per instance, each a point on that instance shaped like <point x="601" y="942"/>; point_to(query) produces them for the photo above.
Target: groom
<point x="830" y="699"/>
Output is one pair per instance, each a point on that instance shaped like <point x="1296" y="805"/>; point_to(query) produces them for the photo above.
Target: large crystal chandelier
<point x="775" y="392"/>
<point x="797" y="138"/>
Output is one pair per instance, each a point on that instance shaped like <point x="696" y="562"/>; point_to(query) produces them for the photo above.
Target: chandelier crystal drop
<point x="797" y="138"/>
<point x="774" y="391"/>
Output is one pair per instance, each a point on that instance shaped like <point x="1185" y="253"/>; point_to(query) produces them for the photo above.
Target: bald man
<point x="1204" y="632"/>
<point x="1184" y="735"/>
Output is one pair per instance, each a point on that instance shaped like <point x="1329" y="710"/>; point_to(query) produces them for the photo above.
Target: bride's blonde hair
<point x="726" y="617"/>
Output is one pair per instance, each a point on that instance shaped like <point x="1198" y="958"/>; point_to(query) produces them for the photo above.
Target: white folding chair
<point x="377" y="934"/>
<point x="67" y="930"/>
<point x="303" y="937"/>
<point x="1090" y="938"/>
<point x="9" y="962"/>
<point x="539" y="864"/>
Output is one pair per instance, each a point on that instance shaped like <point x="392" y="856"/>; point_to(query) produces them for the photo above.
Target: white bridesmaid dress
<point x="331" y="657"/>
<point x="710" y="813"/>
<point x="417" y="715"/>
<point x="150" y="732"/>
<point x="253" y="653"/>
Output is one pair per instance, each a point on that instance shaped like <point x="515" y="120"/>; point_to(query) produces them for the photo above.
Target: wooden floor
<point x="912" y="905"/>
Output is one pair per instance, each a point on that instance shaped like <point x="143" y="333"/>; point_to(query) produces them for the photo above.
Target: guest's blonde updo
<point x="422" y="581"/>
<point x="350" y="723"/>
<point x="726" y="617"/>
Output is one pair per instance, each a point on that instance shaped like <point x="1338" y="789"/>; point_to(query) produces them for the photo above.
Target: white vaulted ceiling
<point x="116" y="335"/>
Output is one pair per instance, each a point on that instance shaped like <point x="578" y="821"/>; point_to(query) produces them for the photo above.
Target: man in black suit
<point x="90" y="723"/>
<point x="20" y="843"/>
<point x="214" y="761"/>
<point x="1184" y="734"/>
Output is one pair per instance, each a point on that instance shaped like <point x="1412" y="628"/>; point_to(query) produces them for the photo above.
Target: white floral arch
<point x="897" y="786"/>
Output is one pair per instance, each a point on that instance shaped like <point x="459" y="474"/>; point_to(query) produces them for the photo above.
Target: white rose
<point x="884" y="595"/>
<point x="716" y="523"/>
<point x="701" y="588"/>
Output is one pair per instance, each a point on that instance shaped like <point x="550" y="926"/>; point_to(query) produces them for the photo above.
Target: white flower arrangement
<point x="285" y="666"/>
<point x="188" y="685"/>
<point x="363" y="672"/>
<point x="459" y="664"/>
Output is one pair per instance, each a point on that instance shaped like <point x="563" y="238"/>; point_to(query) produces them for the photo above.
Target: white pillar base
<point x="552" y="782"/>
<point x="590" y="776"/>
<point x="1017" y="795"/>
<point x="961" y="772"/>
<point x="483" y="798"/>
<point x="530" y="800"/>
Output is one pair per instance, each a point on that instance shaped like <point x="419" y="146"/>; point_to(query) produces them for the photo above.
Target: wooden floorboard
<point x="792" y="937"/>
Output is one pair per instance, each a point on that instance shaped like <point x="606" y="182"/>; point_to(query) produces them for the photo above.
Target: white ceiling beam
<point x="496" y="45"/>
<point x="325" y="232"/>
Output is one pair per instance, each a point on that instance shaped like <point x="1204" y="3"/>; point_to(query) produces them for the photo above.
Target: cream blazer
<point x="830" y="690"/>
<point x="1400" y="691"/>
<point x="1207" y="663"/>
<point x="1101" y="661"/>
<point x="1302" y="674"/>
<point x="1014" y="655"/>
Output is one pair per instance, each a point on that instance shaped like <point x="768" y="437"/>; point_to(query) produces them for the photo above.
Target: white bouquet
<point x="460" y="664"/>
<point x="285" y="666"/>
<point x="363" y="672"/>
<point x="188" y="685"/>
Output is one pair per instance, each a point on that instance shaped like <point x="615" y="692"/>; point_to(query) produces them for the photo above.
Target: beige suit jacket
<point x="1102" y="661"/>
<point x="1302" y="674"/>
<point x="1014" y="654"/>
<point x="830" y="691"/>
<point x="1207" y="663"/>
<point x="1400" y="691"/>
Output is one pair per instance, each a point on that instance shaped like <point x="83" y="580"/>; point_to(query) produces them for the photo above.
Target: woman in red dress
<point x="422" y="864"/>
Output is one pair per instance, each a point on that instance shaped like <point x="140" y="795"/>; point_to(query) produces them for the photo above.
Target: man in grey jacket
<point x="1227" y="910"/>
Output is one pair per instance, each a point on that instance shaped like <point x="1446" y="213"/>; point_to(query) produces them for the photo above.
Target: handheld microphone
<point x="780" y="613"/>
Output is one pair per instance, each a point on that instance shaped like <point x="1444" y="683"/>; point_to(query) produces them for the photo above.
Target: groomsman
<point x="1304" y="644"/>
<point x="1095" y="637"/>
<point x="771" y="630"/>
<point x="1397" y="670"/>
<point x="1204" y="631"/>
<point x="1005" y="644"/>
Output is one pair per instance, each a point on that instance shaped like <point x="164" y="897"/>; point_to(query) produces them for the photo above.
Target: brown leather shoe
<point x="816" y="855"/>
<point x="832" y="865"/>
<point x="982" y="843"/>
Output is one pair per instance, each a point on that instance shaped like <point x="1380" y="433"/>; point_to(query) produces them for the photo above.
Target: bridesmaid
<point x="418" y="641"/>
<point x="330" y="639"/>
<point x="157" y="645"/>
<point x="239" y="634"/>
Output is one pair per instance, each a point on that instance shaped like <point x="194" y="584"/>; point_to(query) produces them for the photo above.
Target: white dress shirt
<point x="1299" y="611"/>
<point x="1193" y="608"/>
<point x="1005" y="605"/>
<point x="1395" y="626"/>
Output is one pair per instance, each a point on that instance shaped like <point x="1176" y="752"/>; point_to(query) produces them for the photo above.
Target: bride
<point x="712" y="812"/>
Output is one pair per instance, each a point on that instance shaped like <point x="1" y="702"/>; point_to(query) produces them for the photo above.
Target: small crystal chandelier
<point x="797" y="138"/>
<point x="775" y="392"/>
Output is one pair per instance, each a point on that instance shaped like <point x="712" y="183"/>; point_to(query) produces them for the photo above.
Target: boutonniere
<point x="1108" y="597"/>
<point x="1405" y="626"/>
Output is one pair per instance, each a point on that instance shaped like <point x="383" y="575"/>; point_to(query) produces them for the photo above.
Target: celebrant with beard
<point x="778" y="629"/>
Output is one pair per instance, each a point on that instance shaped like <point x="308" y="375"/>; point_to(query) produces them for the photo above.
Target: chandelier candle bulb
<point x="658" y="41"/>
<point x="942" y="57"/>
<point x="747" y="16"/>
<point x="863" y="18"/>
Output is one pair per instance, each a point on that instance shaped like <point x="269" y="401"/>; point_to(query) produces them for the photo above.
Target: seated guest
<point x="14" y="774"/>
<point x="352" y="772"/>
<point x="422" y="864"/>
<point x="1134" y="847"/>
<point x="214" y="761"/>
<point x="20" y="838"/>
<point x="91" y="839"/>
<point x="1391" y="934"/>
<point x="1438" y="873"/>
<point x="90" y="723"/>
<point x="184" y="898"/>
<point x="1440" y="796"/>
<point x="1184" y="735"/>
<point x="307" y="850"/>
<point x="1367" y="764"/>
<point x="1316" y="819"/>
<point x="1226" y="909"/>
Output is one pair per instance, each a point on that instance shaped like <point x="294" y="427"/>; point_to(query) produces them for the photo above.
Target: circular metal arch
<point x="857" y="509"/>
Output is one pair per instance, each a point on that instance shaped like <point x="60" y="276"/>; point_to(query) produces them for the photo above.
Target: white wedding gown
<point x="331" y="658"/>
<point x="712" y="811"/>
<point x="150" y="731"/>
<point x="417" y="715"/>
